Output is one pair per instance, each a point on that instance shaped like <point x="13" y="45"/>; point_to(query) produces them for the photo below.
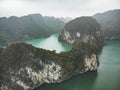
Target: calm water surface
<point x="51" y="43"/>
<point x="107" y="77"/>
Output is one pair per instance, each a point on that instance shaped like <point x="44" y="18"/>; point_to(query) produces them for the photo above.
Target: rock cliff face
<point x="83" y="29"/>
<point x="110" y="23"/>
<point x="24" y="67"/>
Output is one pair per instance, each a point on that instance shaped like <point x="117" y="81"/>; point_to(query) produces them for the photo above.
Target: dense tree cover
<point x="83" y="25"/>
<point x="71" y="61"/>
<point x="28" y="27"/>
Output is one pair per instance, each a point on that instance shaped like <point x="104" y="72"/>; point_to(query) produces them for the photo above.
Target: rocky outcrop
<point x="110" y="23"/>
<point x="24" y="67"/>
<point x="83" y="29"/>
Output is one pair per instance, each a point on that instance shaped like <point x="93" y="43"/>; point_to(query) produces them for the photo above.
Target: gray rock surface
<point x="24" y="67"/>
<point x="84" y="29"/>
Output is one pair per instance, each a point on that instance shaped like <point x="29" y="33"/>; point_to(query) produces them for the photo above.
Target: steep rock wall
<point x="24" y="67"/>
<point x="83" y="29"/>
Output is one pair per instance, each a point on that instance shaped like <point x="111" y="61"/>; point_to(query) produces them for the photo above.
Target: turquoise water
<point x="50" y="43"/>
<point x="107" y="77"/>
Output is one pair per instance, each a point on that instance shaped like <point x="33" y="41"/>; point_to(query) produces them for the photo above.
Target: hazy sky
<point x="57" y="8"/>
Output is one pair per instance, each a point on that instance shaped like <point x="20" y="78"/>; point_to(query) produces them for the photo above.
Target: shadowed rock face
<point x="24" y="67"/>
<point x="83" y="29"/>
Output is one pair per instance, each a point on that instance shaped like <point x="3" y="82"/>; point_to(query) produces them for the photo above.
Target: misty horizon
<point x="56" y="8"/>
<point x="55" y="16"/>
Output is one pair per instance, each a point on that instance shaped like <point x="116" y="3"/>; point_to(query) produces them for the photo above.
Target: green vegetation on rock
<point x="84" y="29"/>
<point x="18" y="59"/>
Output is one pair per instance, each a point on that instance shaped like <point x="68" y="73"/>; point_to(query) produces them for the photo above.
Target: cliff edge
<point x="24" y="67"/>
<point x="84" y="29"/>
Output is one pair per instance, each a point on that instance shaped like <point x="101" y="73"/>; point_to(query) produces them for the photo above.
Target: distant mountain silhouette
<point x="36" y="26"/>
<point x="65" y="20"/>
<point x="28" y="27"/>
<point x="110" y="23"/>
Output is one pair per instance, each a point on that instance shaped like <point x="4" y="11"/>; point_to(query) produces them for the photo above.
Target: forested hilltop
<point x="28" y="27"/>
<point x="84" y="29"/>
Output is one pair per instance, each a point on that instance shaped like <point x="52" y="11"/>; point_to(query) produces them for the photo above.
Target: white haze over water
<point x="57" y="8"/>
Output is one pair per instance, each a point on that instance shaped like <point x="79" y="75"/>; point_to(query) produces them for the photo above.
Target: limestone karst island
<point x="59" y="45"/>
